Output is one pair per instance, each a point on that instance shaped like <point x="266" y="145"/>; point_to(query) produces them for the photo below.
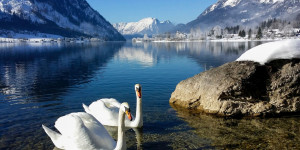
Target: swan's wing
<point x="106" y="111"/>
<point x="105" y="105"/>
<point x="97" y="132"/>
<point x="111" y="103"/>
<point x="86" y="109"/>
<point x="55" y="137"/>
<point x="113" y="107"/>
<point x="75" y="134"/>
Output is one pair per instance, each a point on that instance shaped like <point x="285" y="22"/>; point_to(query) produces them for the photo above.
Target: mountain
<point x="244" y="12"/>
<point x="68" y="18"/>
<point x="147" y="26"/>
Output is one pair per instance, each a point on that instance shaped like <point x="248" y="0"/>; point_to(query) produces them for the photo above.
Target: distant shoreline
<point x="86" y="40"/>
<point x="214" y="40"/>
<point x="48" y="40"/>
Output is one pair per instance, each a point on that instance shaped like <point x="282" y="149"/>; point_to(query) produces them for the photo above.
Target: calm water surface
<point x="41" y="82"/>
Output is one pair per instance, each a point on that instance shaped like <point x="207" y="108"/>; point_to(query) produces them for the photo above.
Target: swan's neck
<point x="139" y="115"/>
<point x="121" y="143"/>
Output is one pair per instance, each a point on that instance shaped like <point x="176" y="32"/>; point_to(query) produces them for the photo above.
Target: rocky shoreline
<point x="243" y="88"/>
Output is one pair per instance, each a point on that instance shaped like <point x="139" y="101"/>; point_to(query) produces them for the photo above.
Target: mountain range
<point x="147" y="26"/>
<point x="68" y="18"/>
<point x="76" y="18"/>
<point x="226" y="13"/>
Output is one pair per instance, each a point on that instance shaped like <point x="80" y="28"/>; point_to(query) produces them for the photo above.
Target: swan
<point x="81" y="131"/>
<point x="105" y="110"/>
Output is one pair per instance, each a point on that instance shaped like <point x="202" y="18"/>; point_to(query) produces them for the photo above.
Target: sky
<point x="177" y="11"/>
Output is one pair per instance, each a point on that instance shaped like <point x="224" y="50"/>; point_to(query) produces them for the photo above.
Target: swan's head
<point x="138" y="90"/>
<point x="125" y="107"/>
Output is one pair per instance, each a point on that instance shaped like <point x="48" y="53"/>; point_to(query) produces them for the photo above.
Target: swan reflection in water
<point x="137" y="132"/>
<point x="131" y="133"/>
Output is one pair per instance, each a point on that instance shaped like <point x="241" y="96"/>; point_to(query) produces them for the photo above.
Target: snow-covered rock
<point x="242" y="89"/>
<point x="247" y="88"/>
<point x="61" y="17"/>
<point x="148" y="26"/>
<point x="286" y="49"/>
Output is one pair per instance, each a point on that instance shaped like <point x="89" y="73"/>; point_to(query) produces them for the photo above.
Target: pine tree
<point x="249" y="34"/>
<point x="243" y="33"/>
<point x="259" y="34"/>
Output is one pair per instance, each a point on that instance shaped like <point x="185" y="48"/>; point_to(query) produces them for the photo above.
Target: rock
<point x="243" y="89"/>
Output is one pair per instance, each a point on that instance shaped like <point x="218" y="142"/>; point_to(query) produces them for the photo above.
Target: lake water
<point x="41" y="82"/>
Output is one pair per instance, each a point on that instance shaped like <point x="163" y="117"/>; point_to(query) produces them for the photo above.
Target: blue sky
<point x="177" y="11"/>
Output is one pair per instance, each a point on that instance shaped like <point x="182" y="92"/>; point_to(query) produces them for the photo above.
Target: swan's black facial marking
<point x="127" y="111"/>
<point x="139" y="91"/>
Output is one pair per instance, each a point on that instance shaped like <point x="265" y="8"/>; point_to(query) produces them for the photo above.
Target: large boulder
<point x="243" y="88"/>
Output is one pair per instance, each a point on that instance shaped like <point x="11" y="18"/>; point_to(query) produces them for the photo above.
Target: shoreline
<point x="87" y="40"/>
<point x="213" y="40"/>
<point x="49" y="40"/>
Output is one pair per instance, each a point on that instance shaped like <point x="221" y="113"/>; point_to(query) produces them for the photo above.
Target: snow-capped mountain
<point x="245" y="12"/>
<point x="148" y="26"/>
<point x="68" y="18"/>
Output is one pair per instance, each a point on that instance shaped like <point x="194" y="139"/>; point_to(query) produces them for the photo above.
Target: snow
<point x="19" y="7"/>
<point x="246" y="12"/>
<point x="244" y="20"/>
<point x="26" y="35"/>
<point x="243" y="11"/>
<point x="270" y="1"/>
<point x="38" y="35"/>
<point x="231" y="3"/>
<point x="42" y="11"/>
<point x="29" y="37"/>
<point x="286" y="49"/>
<point x="145" y="26"/>
<point x="136" y="27"/>
<point x="213" y="7"/>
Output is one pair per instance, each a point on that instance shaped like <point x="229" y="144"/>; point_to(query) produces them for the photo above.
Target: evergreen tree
<point x="249" y="34"/>
<point x="259" y="34"/>
<point x="243" y="33"/>
<point x="233" y="30"/>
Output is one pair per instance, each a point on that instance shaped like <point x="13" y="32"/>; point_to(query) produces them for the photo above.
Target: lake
<point x="40" y="82"/>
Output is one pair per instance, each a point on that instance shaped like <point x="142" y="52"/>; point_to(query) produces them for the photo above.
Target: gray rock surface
<point x="243" y="89"/>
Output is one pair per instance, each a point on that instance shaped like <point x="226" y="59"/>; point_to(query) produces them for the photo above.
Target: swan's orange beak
<point x="139" y="92"/>
<point x="128" y="115"/>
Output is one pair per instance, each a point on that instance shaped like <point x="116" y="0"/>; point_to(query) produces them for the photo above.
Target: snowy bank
<point x="286" y="49"/>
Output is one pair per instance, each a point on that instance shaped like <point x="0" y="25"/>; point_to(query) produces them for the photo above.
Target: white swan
<point x="81" y="131"/>
<point x="105" y="110"/>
